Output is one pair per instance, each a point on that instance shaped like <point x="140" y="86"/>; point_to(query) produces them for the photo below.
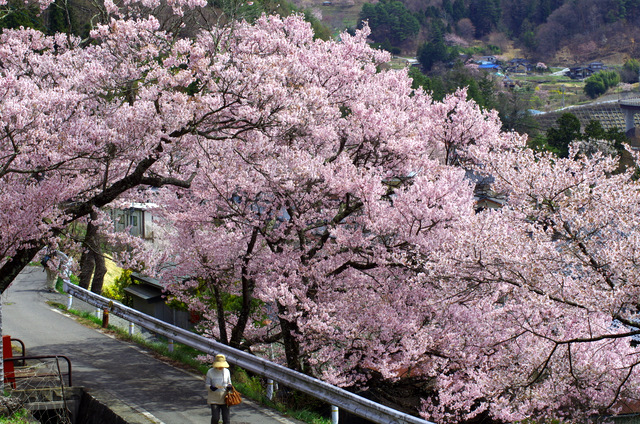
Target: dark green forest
<point x="541" y="27"/>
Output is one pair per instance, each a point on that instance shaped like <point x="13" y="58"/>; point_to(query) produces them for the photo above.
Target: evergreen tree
<point x="390" y="20"/>
<point x="18" y="15"/>
<point x="594" y="130"/>
<point x="435" y="50"/>
<point x="459" y="10"/>
<point x="485" y="15"/>
<point x="567" y="131"/>
<point x="630" y="71"/>
<point x="447" y="6"/>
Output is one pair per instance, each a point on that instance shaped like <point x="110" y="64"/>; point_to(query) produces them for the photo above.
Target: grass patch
<point x="253" y="388"/>
<point x="310" y="417"/>
<point x="20" y="417"/>
<point x="113" y="272"/>
<point x="60" y="285"/>
<point x="84" y="317"/>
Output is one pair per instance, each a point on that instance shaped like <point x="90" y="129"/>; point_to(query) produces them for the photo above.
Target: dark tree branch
<point x="15" y="264"/>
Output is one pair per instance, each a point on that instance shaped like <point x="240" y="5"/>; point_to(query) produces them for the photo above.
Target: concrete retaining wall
<point x="92" y="411"/>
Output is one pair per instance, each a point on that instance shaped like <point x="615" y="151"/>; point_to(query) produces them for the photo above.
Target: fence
<point x="333" y="395"/>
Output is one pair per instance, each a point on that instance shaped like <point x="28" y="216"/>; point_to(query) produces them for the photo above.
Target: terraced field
<point x="607" y="112"/>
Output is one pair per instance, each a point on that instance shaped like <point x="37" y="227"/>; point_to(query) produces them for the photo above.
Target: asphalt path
<point x="139" y="387"/>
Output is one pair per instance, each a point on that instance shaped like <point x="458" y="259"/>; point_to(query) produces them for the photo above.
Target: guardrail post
<point x="69" y="301"/>
<point x="334" y="414"/>
<point x="132" y="328"/>
<point x="269" y="389"/>
<point x="105" y="318"/>
<point x="170" y="346"/>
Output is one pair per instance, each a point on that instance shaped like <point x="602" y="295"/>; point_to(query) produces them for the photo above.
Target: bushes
<point x="598" y="84"/>
<point x="116" y="290"/>
<point x="20" y="417"/>
<point x="630" y="70"/>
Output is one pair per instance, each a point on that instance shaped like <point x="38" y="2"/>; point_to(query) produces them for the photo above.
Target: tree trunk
<point x="222" y="326"/>
<point x="248" y="285"/>
<point x="291" y="345"/>
<point x="237" y="334"/>
<point x="87" y="264"/>
<point x="16" y="263"/>
<point x="99" y="272"/>
<point x="52" y="278"/>
<point x="92" y="263"/>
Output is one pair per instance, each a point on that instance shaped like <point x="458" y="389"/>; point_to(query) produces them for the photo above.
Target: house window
<point x="134" y="221"/>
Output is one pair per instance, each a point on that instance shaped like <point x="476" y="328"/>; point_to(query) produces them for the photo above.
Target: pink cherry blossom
<point x="317" y="209"/>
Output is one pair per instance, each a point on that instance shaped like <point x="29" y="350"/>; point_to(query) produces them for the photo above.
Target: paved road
<point x="118" y="373"/>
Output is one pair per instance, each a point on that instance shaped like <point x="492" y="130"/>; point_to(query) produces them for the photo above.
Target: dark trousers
<point x="215" y="414"/>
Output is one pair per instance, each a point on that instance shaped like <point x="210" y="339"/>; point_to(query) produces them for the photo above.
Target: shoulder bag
<point x="232" y="397"/>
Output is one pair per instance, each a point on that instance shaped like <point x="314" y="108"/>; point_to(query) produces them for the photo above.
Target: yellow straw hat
<point x="220" y="362"/>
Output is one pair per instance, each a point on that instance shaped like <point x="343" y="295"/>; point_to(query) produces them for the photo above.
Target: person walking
<point x="218" y="382"/>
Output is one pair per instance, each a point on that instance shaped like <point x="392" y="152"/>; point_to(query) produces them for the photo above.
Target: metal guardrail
<point x="21" y="343"/>
<point x="333" y="395"/>
<point x="15" y="374"/>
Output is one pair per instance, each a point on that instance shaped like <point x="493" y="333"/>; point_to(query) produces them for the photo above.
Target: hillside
<point x="562" y="32"/>
<point x="338" y="15"/>
<point x="558" y="32"/>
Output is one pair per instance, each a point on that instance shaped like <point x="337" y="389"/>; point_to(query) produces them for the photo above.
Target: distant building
<point x="491" y="67"/>
<point x="146" y="295"/>
<point x="596" y="66"/>
<point x="413" y="62"/>
<point x="579" y="72"/>
<point x="489" y="59"/>
<point x="508" y="82"/>
<point x="137" y="219"/>
<point x="585" y="71"/>
<point x="519" y="66"/>
<point x="483" y="194"/>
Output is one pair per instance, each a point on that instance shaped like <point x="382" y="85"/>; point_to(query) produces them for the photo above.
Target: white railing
<point x="333" y="395"/>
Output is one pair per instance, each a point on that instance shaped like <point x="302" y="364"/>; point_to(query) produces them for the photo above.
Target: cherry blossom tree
<point x="317" y="201"/>
<point x="292" y="230"/>
<point x="542" y="325"/>
<point x="287" y="194"/>
<point x="348" y="177"/>
<point x="83" y="125"/>
<point x="525" y="312"/>
<point x="86" y="121"/>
